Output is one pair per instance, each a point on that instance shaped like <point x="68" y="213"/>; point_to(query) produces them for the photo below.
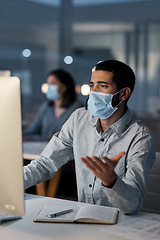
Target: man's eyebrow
<point x="102" y="82"/>
<point x="99" y="82"/>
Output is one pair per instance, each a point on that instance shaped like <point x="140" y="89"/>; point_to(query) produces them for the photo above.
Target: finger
<point x="85" y="162"/>
<point x="114" y="159"/>
<point x="108" y="162"/>
<point x="93" y="164"/>
<point x="90" y="163"/>
<point x="99" y="161"/>
<point x="104" y="165"/>
<point x="118" y="157"/>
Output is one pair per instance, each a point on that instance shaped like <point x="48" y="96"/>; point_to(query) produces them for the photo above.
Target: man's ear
<point x="126" y="92"/>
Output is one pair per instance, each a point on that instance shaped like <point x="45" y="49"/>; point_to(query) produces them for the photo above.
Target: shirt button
<point x="102" y="140"/>
<point x="90" y="185"/>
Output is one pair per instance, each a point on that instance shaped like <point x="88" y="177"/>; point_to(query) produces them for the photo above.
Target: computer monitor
<point x="11" y="161"/>
<point x="5" y="72"/>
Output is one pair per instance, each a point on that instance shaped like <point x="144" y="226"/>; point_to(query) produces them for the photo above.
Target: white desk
<point x="33" y="149"/>
<point x="26" y="229"/>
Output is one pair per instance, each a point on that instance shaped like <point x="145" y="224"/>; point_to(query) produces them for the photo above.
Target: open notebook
<point x="85" y="214"/>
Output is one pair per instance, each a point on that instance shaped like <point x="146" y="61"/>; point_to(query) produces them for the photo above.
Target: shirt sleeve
<point x="57" y="153"/>
<point x="128" y="192"/>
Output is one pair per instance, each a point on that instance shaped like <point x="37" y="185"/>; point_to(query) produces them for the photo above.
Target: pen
<point x="59" y="213"/>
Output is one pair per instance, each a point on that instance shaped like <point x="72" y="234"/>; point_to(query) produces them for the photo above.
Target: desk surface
<point x="31" y="150"/>
<point x="26" y="229"/>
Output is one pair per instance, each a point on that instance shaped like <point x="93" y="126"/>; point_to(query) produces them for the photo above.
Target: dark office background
<point x="88" y="31"/>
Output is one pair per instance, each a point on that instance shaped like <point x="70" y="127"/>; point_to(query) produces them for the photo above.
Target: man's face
<point x="101" y="81"/>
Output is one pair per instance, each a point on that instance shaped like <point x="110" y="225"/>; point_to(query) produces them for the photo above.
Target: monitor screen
<point x="11" y="161"/>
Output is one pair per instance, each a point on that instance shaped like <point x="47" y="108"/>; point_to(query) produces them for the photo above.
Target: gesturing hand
<point x="104" y="170"/>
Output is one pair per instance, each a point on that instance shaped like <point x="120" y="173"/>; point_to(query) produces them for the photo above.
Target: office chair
<point x="152" y="198"/>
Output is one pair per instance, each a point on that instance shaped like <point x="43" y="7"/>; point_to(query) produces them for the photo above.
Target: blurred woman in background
<point x="61" y="102"/>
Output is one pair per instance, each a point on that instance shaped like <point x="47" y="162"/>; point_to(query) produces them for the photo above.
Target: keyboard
<point x="7" y="217"/>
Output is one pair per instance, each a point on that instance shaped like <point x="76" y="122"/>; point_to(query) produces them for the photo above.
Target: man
<point x="113" y="152"/>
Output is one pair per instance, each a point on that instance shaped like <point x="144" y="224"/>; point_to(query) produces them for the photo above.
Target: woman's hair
<point x="66" y="79"/>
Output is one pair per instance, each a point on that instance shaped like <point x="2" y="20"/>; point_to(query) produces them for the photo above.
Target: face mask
<point x="100" y="104"/>
<point x="52" y="93"/>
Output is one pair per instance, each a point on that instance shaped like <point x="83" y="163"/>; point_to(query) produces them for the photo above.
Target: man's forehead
<point x="100" y="75"/>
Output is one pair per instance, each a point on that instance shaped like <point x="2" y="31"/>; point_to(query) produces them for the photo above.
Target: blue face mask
<point x="52" y="93"/>
<point x="100" y="104"/>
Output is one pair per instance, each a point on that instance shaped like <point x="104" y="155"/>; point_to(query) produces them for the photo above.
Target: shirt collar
<point x="93" y="120"/>
<point x="117" y="127"/>
<point x="120" y="126"/>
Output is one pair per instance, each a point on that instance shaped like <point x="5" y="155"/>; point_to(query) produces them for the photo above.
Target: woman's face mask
<point x="52" y="93"/>
<point x="100" y="104"/>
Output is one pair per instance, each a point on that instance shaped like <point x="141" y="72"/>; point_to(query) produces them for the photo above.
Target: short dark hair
<point x="66" y="79"/>
<point x="123" y="75"/>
